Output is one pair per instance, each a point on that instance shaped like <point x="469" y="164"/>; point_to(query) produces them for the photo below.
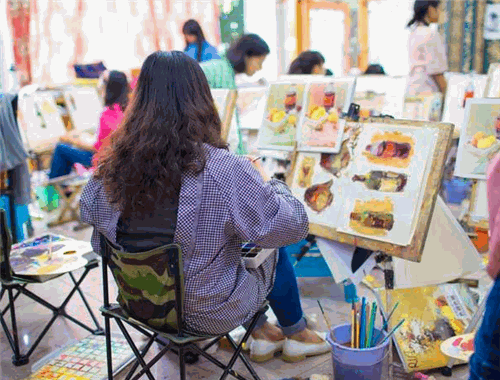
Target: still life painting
<point x="283" y="111"/>
<point x="461" y="88"/>
<point x="423" y="107"/>
<point x="84" y="107"/>
<point x="479" y="138"/>
<point x="374" y="186"/>
<point x="250" y="105"/>
<point x="380" y="95"/>
<point x="432" y="315"/>
<point x="41" y="120"/>
<point x="322" y="128"/>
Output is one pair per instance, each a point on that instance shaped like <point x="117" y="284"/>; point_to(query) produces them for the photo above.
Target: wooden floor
<point x="32" y="317"/>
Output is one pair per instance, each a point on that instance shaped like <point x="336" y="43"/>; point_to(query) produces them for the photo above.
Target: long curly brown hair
<point x="171" y="115"/>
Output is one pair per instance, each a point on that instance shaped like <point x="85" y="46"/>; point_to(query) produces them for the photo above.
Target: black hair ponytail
<point x="420" y="9"/>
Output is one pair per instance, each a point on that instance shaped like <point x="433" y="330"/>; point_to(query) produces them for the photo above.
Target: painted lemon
<point x="333" y="117"/>
<point x="486" y="142"/>
<point x="278" y="116"/>
<point x="292" y="119"/>
<point x="318" y="113"/>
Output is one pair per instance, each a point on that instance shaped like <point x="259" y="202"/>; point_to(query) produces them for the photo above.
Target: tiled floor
<point x="32" y="317"/>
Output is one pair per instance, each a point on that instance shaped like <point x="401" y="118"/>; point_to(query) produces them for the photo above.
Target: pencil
<point x="353" y="326"/>
<point x="392" y="332"/>
<point x="357" y="329"/>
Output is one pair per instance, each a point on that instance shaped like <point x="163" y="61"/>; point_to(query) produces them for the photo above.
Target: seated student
<point x="197" y="46"/>
<point x="308" y="62"/>
<point x="72" y="150"/>
<point x="175" y="172"/>
<point x="375" y="69"/>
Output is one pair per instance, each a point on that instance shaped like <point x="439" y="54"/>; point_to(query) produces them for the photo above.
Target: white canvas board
<point x="250" y="105"/>
<point x="461" y="87"/>
<point x="338" y="257"/>
<point x="283" y="111"/>
<point x="479" y="210"/>
<point x="493" y="81"/>
<point x="482" y="116"/>
<point x="425" y="108"/>
<point x="448" y="254"/>
<point x="220" y="99"/>
<point x="321" y="128"/>
<point x="84" y="107"/>
<point x="40" y="119"/>
<point x="405" y="203"/>
<point x="380" y="94"/>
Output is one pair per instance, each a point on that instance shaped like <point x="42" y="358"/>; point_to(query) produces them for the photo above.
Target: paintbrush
<point x="392" y="332"/>
<point x="386" y="321"/>
<point x="327" y="320"/>
<point x="353" y="326"/>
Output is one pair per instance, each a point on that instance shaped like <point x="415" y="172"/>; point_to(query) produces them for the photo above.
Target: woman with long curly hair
<point x="168" y="177"/>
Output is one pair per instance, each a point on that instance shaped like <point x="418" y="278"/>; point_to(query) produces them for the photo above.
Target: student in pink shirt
<point x="72" y="150"/>
<point x="485" y="363"/>
<point x="427" y="51"/>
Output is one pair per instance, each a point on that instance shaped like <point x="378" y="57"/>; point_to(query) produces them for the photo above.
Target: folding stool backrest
<point x="150" y="284"/>
<point x="5" y="245"/>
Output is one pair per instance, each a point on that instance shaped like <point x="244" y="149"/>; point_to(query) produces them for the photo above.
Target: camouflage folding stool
<point x="150" y="300"/>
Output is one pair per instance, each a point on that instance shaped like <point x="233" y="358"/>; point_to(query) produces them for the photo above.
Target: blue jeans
<point x="485" y="362"/>
<point x="284" y="298"/>
<point x="65" y="156"/>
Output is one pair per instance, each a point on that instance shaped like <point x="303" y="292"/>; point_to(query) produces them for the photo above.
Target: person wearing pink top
<point x="485" y="362"/>
<point x="72" y="150"/>
<point x="427" y="51"/>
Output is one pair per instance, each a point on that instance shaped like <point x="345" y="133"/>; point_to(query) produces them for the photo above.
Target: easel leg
<point x="388" y="267"/>
<point x="476" y="318"/>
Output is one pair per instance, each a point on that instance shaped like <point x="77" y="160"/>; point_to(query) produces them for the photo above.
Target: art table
<point x="39" y="260"/>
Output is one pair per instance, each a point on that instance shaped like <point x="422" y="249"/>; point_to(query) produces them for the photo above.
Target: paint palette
<point x="48" y="255"/>
<point x="84" y="360"/>
<point x="459" y="347"/>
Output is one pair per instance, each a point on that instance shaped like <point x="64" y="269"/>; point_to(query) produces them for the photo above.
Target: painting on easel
<point x="479" y="138"/>
<point x="225" y="101"/>
<point x="321" y="128"/>
<point x="377" y="191"/>
<point x="84" y="107"/>
<point x="380" y="94"/>
<point x="41" y="120"/>
<point x="250" y="104"/>
<point x="284" y="108"/>
<point x="461" y="87"/>
<point x="423" y="107"/>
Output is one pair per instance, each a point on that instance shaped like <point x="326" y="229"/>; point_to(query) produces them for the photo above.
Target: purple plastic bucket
<point x="352" y="363"/>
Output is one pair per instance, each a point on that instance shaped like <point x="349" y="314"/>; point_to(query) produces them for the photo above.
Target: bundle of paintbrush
<point x="363" y="325"/>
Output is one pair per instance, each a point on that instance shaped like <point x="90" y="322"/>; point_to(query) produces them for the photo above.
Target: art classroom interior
<point x="249" y="189"/>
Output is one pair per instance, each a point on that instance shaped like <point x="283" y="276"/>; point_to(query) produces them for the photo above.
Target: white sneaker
<point x="263" y="350"/>
<point x="295" y="351"/>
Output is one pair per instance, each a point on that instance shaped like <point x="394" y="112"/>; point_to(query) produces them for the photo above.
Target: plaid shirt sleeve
<point x="264" y="213"/>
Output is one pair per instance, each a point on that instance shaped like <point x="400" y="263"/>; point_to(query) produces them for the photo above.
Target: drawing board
<point x="225" y="102"/>
<point x="283" y="111"/>
<point x="493" y="82"/>
<point x="380" y="94"/>
<point x="322" y="127"/>
<point x="40" y="120"/>
<point x="461" y="87"/>
<point x="423" y="107"/>
<point x="479" y="138"/>
<point x="84" y="107"/>
<point x="250" y="104"/>
<point x="379" y="191"/>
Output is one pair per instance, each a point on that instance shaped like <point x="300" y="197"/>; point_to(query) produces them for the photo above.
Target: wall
<point x="6" y="51"/>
